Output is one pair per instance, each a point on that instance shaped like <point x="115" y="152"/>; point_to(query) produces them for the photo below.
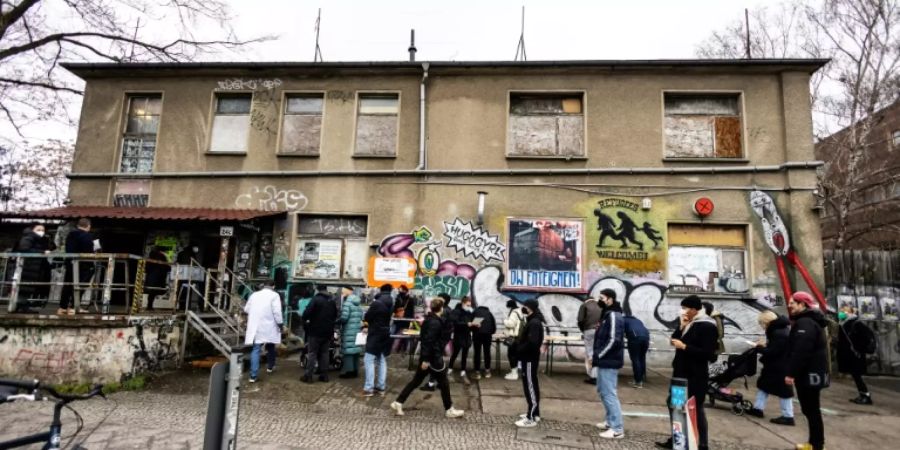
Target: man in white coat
<point x="264" y="321"/>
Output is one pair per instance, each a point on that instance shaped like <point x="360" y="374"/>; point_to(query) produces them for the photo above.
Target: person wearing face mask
<point x="34" y="270"/>
<point x="608" y="358"/>
<point x="462" y="335"/>
<point x="528" y="351"/>
<point x="695" y="342"/>
<point x="79" y="240"/>
<point x="808" y="364"/>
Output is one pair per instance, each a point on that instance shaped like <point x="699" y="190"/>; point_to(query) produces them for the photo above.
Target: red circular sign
<point x="703" y="206"/>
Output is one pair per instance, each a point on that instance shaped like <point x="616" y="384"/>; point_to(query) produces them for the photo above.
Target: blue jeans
<point x="254" y="358"/>
<point x="606" y="387"/>
<point x="370" y="361"/>
<point x="787" y="407"/>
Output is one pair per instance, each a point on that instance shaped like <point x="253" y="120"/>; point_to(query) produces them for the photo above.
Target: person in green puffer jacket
<point x="351" y="321"/>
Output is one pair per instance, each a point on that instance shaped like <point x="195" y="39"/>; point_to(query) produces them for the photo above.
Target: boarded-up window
<point x="703" y="126"/>
<point x="231" y="124"/>
<point x="707" y="258"/>
<point x="139" y="138"/>
<point x="546" y="125"/>
<point x="376" y="125"/>
<point x="132" y="193"/>
<point x="301" y="130"/>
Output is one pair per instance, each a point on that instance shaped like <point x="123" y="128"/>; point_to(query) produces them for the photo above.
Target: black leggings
<point x="482" y="344"/>
<point x="531" y="388"/>
<point x="811" y="407"/>
<point x="511" y="356"/>
<point x="461" y="343"/>
<point x="860" y="384"/>
<point x="441" y="379"/>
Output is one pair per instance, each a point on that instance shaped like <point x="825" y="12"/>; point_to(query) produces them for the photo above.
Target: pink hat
<point x="805" y="298"/>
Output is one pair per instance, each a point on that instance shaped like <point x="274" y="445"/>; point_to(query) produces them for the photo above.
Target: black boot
<point x="665" y="444"/>
<point x="755" y="412"/>
<point x="789" y="421"/>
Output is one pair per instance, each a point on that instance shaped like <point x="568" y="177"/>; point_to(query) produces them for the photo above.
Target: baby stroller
<point x="720" y="375"/>
<point x="335" y="360"/>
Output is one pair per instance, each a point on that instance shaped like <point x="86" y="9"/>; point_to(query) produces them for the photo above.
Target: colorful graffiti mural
<point x="626" y="236"/>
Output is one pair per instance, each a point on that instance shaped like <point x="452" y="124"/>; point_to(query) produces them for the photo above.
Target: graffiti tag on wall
<point x="240" y="84"/>
<point x="473" y="242"/>
<point x="270" y="198"/>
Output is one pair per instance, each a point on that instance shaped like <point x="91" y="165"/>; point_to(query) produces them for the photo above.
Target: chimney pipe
<point x="412" y="45"/>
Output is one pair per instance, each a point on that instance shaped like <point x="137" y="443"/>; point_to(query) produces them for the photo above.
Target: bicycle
<point x="52" y="438"/>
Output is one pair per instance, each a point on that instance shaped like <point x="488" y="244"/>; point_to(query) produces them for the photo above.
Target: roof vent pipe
<point x="412" y="45"/>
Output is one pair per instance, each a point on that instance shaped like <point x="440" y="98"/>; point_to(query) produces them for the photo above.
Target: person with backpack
<point x="461" y="316"/>
<point x="483" y="328"/>
<point x="589" y="314"/>
<point x="808" y="364"/>
<point x="512" y="329"/>
<point x="774" y="358"/>
<point x="855" y="341"/>
<point x="717" y="317"/>
<point x="638" y="342"/>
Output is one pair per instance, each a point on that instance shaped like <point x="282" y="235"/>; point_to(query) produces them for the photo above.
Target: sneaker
<point x="270" y="370"/>
<point x="465" y="379"/>
<point x="368" y="393"/>
<point x="306" y="379"/>
<point x="603" y="426"/>
<point x="525" y="423"/>
<point x="476" y="376"/>
<point x="487" y="374"/>
<point x="453" y="413"/>
<point x="449" y="372"/>
<point x="513" y="375"/>
<point x="863" y="399"/>
<point x="427" y="387"/>
<point x="398" y="408"/>
<point x="755" y="413"/>
<point x="637" y="385"/>
<point x="525" y="416"/>
<point x="62" y="312"/>
<point x="804" y="446"/>
<point x="380" y="392"/>
<point x="590" y="380"/>
<point x="789" y="421"/>
<point x="612" y="434"/>
<point x="253" y="380"/>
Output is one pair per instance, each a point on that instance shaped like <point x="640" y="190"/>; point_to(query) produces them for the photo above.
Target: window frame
<point x="283" y="113"/>
<point x="298" y="236"/>
<point x="548" y="92"/>
<point x="742" y="108"/>
<point x="214" y="103"/>
<point x="748" y="252"/>
<point x="123" y="126"/>
<point x="894" y="137"/>
<point x="358" y="95"/>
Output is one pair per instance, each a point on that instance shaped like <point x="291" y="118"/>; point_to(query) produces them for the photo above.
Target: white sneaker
<point x="603" y="426"/>
<point x="449" y="372"/>
<point x="612" y="434"/>
<point x="525" y="423"/>
<point x="453" y="413"/>
<point x="513" y="375"/>
<point x="398" y="408"/>
<point x="525" y="416"/>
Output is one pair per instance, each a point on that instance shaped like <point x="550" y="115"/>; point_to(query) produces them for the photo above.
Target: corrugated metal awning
<point x="148" y="213"/>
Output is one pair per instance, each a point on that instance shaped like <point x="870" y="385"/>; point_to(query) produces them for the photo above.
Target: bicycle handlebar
<point x="29" y="385"/>
<point x="34" y="385"/>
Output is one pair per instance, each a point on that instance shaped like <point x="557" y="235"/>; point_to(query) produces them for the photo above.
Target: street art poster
<point x="868" y="308"/>
<point x="846" y="300"/>
<point x="473" y="241"/>
<point x="545" y="254"/>
<point x="888" y="308"/>
<point x="318" y="258"/>
<point x="264" y="258"/>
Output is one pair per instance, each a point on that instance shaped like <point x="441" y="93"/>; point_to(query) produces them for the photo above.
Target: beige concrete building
<point x="636" y="175"/>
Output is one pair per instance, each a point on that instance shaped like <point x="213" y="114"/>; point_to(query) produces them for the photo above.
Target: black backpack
<point x="866" y="337"/>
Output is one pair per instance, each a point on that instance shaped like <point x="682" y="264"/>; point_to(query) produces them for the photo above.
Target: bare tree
<point x="862" y="38"/>
<point x="36" y="35"/>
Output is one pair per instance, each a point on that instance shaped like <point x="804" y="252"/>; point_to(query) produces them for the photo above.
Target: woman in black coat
<point x="35" y="269"/>
<point x="774" y="359"/>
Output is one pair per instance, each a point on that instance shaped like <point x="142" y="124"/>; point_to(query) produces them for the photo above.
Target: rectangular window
<point x="132" y="193"/>
<point x="301" y="129"/>
<point x="546" y="125"/>
<point x="707" y="258"/>
<point x="331" y="247"/>
<point x="895" y="138"/>
<point x="231" y="123"/>
<point x="377" y="124"/>
<point x="703" y="126"/>
<point x="139" y="138"/>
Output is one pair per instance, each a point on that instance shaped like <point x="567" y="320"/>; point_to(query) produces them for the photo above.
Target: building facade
<point x="491" y="179"/>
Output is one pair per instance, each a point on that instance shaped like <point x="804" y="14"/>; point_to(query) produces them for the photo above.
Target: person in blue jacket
<point x="638" y="342"/>
<point x="609" y="357"/>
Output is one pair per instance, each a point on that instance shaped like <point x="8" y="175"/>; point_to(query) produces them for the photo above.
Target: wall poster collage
<point x="545" y="254"/>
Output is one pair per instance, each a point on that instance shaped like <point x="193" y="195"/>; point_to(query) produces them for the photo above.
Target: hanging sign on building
<point x="545" y="254"/>
<point x="396" y="271"/>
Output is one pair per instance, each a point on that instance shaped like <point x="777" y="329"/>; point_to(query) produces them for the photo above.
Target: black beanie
<point x="512" y="303"/>
<point x="693" y="302"/>
<point x="532" y="305"/>
<point x="609" y="293"/>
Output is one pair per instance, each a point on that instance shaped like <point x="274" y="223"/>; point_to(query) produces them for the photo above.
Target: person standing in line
<point x="512" y="329"/>
<point x="774" y="359"/>
<point x="79" y="240"/>
<point x="638" y="342"/>
<point x="482" y="338"/>
<point x="808" y="364"/>
<point x="695" y="345"/>
<point x="351" y="320"/>
<point x="528" y="351"/>
<point x="717" y="317"/>
<point x="378" y="342"/>
<point x="462" y="317"/>
<point x="609" y="357"/>
<point x="264" y="320"/>
<point x="447" y="333"/>
<point x="589" y="314"/>
<point x="156" y="274"/>
<point x="320" y="317"/>
<point x="34" y="269"/>
<point x="855" y="340"/>
<point x="431" y="361"/>
<point x="405" y="309"/>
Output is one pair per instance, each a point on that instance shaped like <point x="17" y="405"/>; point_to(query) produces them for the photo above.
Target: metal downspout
<point x="423" y="162"/>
